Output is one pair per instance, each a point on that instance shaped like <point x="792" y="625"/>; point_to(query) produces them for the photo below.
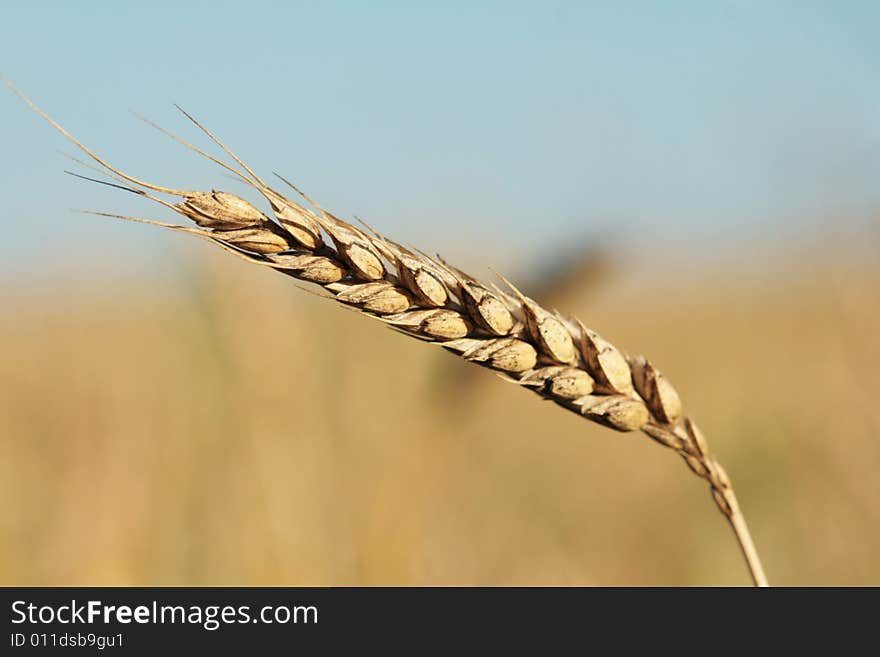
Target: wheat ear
<point x="424" y="297"/>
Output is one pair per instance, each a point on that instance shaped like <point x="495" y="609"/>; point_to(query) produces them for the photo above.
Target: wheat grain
<point x="554" y="356"/>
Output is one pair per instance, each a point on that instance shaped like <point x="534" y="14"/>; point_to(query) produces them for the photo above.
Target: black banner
<point x="116" y="620"/>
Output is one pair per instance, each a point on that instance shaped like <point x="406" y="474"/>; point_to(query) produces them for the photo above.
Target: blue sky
<point x="447" y="124"/>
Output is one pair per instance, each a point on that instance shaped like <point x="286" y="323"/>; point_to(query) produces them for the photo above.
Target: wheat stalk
<point x="424" y="297"/>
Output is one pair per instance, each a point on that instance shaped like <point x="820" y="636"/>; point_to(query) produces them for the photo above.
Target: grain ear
<point x="561" y="361"/>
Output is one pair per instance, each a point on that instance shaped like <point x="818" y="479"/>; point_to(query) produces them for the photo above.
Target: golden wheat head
<point x="424" y="297"/>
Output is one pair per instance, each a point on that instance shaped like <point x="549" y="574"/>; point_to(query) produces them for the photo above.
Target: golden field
<point x="217" y="425"/>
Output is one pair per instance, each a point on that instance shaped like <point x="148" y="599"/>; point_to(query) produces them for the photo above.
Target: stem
<point x="744" y="538"/>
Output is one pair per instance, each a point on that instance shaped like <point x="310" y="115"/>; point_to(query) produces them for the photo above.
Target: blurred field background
<point x="218" y="426"/>
<point x="696" y="181"/>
